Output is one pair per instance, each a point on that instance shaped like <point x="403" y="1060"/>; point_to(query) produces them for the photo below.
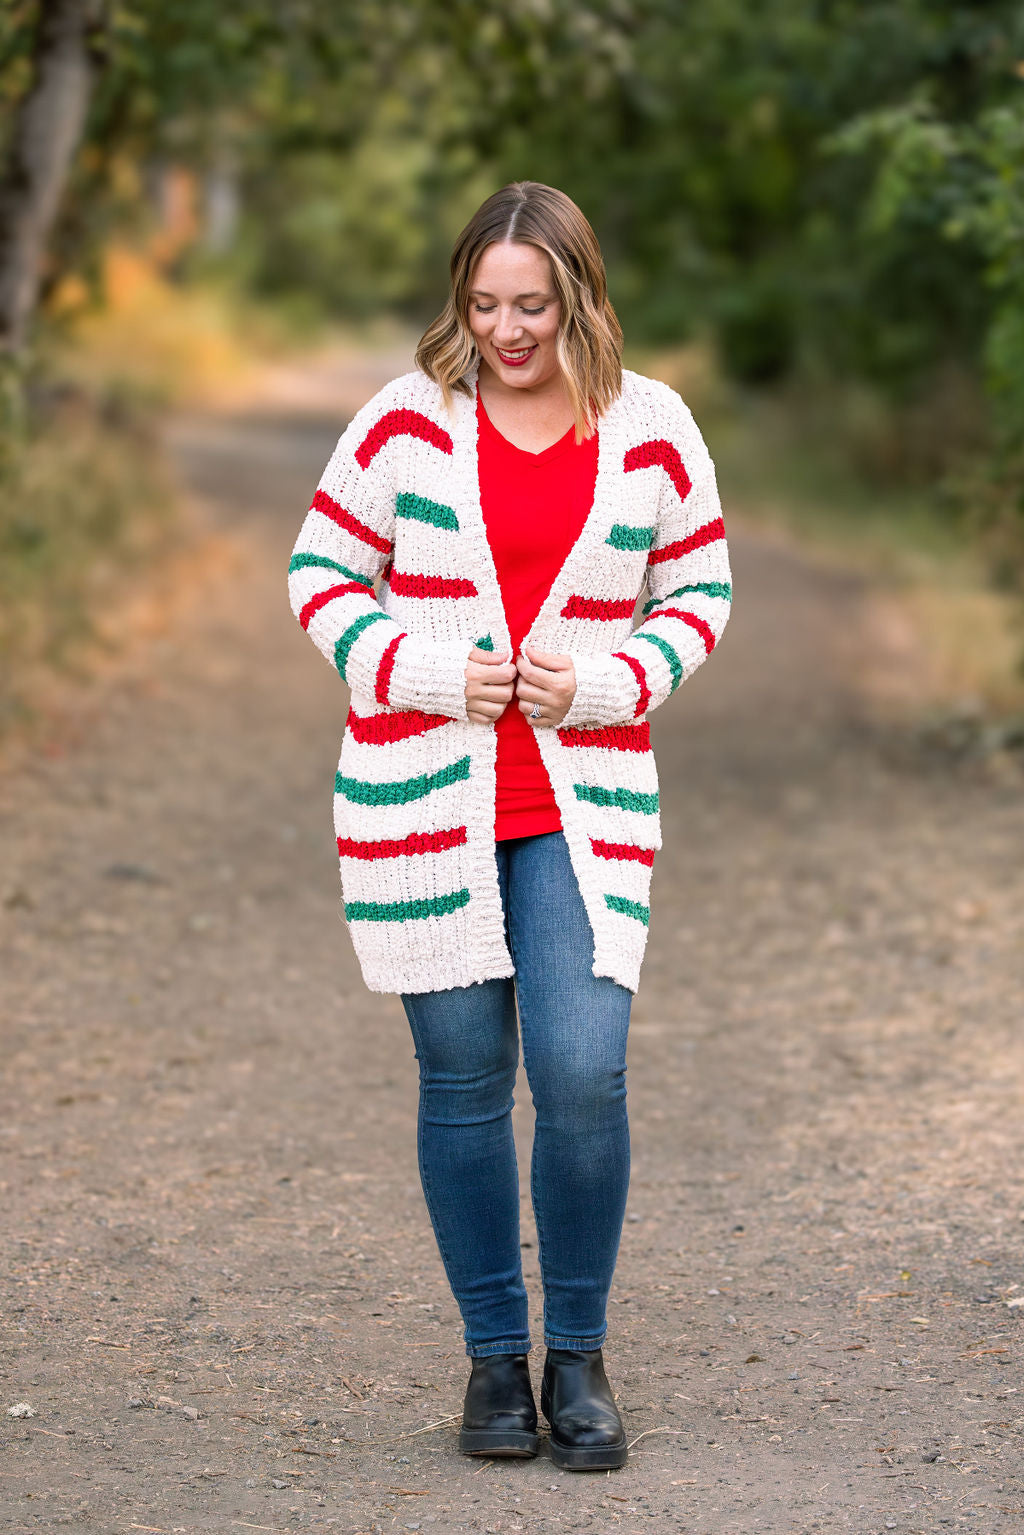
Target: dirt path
<point x="223" y="1301"/>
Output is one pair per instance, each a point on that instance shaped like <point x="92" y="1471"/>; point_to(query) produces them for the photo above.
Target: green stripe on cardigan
<point x="675" y="665"/>
<point x="400" y="791"/>
<point x="305" y="561"/>
<point x="418" y="507"/>
<point x="624" y="799"/>
<point x="624" y="536"/>
<point x="706" y="588"/>
<point x="404" y="911"/>
<point x="629" y="908"/>
<point x="348" y="639"/>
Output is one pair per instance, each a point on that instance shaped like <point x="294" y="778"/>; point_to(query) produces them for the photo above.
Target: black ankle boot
<point x="586" y="1430"/>
<point x="499" y="1415"/>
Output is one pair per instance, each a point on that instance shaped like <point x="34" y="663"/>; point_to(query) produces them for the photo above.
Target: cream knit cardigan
<point x="392" y="578"/>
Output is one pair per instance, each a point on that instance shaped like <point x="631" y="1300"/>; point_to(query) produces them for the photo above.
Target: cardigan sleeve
<point x="344" y="544"/>
<point x="688" y="576"/>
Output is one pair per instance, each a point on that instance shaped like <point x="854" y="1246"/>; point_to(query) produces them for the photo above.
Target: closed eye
<point x="490" y="308"/>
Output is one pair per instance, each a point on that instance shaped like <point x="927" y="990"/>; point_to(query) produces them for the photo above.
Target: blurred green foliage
<point x="832" y="189"/>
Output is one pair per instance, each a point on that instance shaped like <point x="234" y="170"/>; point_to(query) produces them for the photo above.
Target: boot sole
<point x="592" y="1457"/>
<point x="507" y="1443"/>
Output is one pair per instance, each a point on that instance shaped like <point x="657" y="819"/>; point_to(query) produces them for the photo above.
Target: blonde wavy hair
<point x="589" y="342"/>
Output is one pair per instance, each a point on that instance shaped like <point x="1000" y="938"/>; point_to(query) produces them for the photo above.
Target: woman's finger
<point x="479" y="672"/>
<point x="488" y="657"/>
<point x="483" y="712"/>
<point x="553" y="690"/>
<point x="546" y="660"/>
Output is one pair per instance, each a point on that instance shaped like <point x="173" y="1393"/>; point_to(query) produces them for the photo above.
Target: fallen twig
<point x="411" y="1433"/>
<point x="452" y="1418"/>
<point x="665" y="1430"/>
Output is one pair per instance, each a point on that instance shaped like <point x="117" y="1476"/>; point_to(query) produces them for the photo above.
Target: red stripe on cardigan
<point x="418" y="842"/>
<point x="627" y="852"/>
<point x="710" y="533"/>
<point x="641" y="677"/>
<point x="322" y="502"/>
<point x="321" y="599"/>
<point x="385" y="666"/>
<point x="660" y="451"/>
<point x="380" y="729"/>
<point x="401" y="423"/>
<point x="598" y="607"/>
<point x="618" y="738"/>
<point x="409" y="583"/>
<point x="704" y="629"/>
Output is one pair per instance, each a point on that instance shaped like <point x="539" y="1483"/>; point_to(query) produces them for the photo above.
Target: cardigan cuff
<point x="607" y="692"/>
<point x="430" y="675"/>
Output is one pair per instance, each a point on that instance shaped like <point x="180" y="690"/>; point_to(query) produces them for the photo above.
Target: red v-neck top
<point x="534" y="507"/>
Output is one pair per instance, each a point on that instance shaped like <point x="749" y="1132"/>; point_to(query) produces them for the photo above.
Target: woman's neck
<point x="532" y="419"/>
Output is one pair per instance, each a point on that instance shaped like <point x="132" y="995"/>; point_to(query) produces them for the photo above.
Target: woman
<point x="496" y="801"/>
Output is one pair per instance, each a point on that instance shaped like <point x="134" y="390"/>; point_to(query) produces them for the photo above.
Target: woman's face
<point x="514" y="313"/>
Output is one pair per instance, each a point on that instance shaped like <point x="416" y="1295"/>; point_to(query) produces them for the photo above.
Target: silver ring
<point x="534" y="713"/>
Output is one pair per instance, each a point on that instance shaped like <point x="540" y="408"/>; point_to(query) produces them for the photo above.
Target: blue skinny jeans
<point x="574" y="1026"/>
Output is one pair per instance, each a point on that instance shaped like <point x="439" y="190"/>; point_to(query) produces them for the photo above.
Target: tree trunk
<point x="46" y="132"/>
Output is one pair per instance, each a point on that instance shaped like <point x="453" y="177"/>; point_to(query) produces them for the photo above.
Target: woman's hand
<point x="545" y="679"/>
<point x="489" y="685"/>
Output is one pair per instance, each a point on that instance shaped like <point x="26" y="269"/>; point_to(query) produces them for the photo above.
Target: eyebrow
<point x="534" y="293"/>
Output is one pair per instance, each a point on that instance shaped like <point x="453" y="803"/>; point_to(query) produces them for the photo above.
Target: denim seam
<point x="512" y="1346"/>
<point x="428" y="1187"/>
<point x="581" y="1342"/>
<point x="541" y="1247"/>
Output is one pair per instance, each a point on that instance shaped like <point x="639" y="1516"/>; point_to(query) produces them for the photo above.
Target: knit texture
<point x="392" y="578"/>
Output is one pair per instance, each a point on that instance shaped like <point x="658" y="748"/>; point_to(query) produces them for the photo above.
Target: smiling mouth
<point x="516" y="359"/>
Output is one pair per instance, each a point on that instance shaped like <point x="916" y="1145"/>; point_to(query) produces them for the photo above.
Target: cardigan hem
<point x="628" y="976"/>
<point x="411" y="979"/>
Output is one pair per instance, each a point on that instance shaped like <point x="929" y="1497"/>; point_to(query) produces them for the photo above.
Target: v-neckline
<point x="553" y="449"/>
<point x="599" y="517"/>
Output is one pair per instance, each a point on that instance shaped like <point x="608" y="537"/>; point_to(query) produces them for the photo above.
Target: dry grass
<point x="93" y="529"/>
<point x="158" y="340"/>
<point x="87" y="505"/>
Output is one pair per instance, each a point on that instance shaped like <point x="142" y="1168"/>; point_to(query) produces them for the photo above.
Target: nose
<point x="508" y="329"/>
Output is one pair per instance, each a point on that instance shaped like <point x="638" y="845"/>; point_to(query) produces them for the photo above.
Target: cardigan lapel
<point x="607" y="495"/>
<point x="465" y="435"/>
